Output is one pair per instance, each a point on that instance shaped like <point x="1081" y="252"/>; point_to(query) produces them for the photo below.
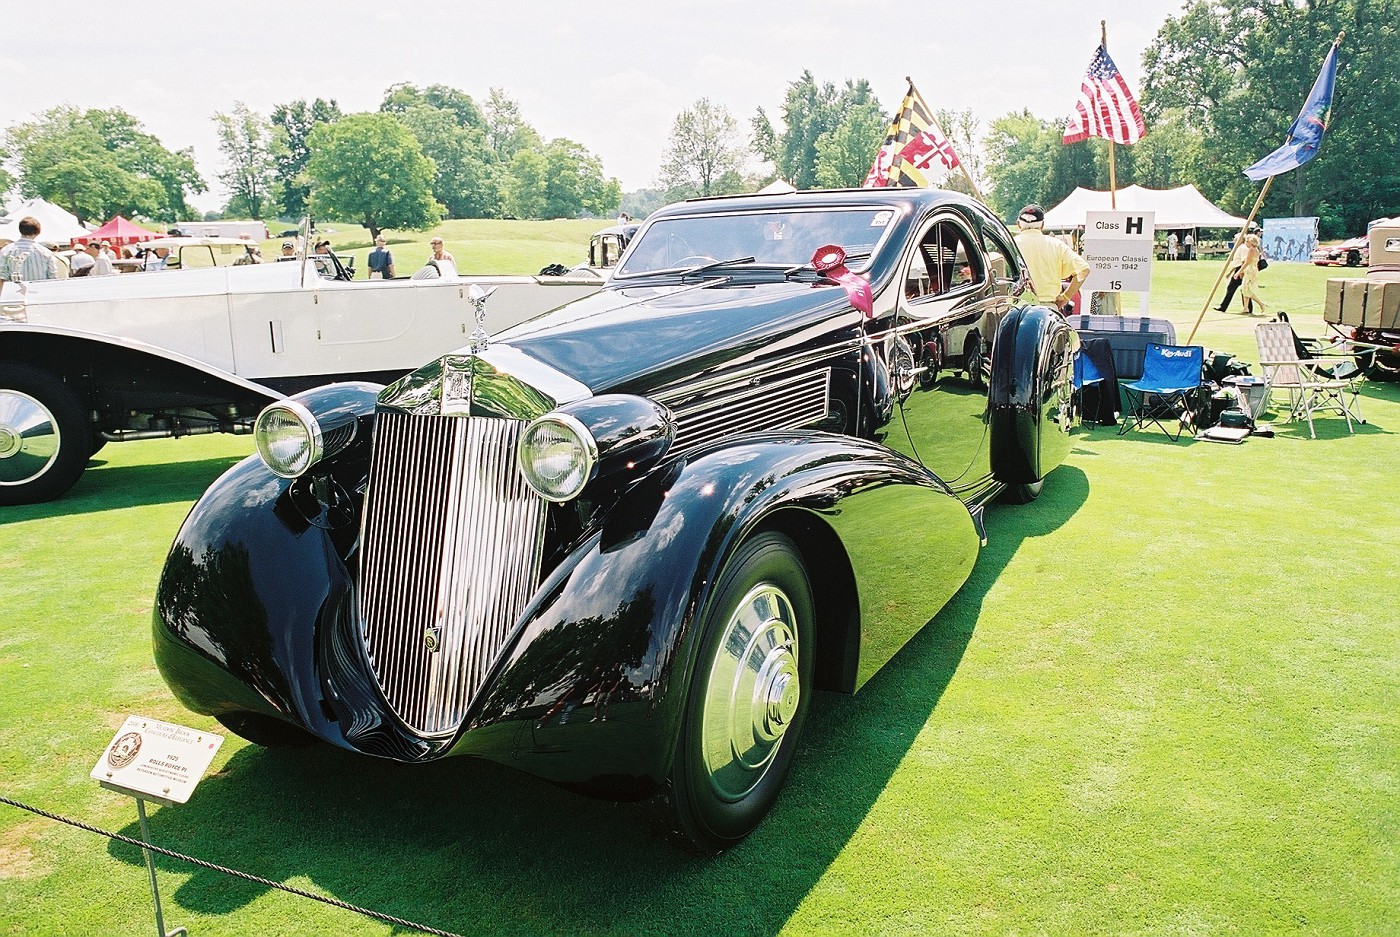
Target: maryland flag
<point x="914" y="142"/>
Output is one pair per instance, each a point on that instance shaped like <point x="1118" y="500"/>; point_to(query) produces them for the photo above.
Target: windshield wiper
<point x="692" y="271"/>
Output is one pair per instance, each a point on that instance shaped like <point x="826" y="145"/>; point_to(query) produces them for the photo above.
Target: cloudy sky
<point x="612" y="76"/>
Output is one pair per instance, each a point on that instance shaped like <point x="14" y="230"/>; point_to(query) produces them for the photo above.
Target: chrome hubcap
<point x="28" y="438"/>
<point x="753" y="692"/>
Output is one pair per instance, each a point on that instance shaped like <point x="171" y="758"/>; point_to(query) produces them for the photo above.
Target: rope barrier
<point x="131" y="841"/>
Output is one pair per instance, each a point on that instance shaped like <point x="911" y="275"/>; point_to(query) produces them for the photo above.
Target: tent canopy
<point x="119" y="231"/>
<point x="1182" y="207"/>
<point x="56" y="226"/>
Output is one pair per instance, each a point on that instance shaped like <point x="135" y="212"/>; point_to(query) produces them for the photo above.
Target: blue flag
<point x="1305" y="136"/>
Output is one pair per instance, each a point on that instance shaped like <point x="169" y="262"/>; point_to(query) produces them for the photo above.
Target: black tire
<point x="265" y="730"/>
<point x="44" y="437"/>
<point x="974" y="361"/>
<point x="1353" y="258"/>
<point x="1022" y="494"/>
<point x="716" y="794"/>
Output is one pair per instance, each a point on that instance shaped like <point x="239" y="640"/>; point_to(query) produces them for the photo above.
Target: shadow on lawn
<point x="474" y="847"/>
<point x="105" y="488"/>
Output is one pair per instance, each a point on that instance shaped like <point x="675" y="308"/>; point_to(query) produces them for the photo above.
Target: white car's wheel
<point x="44" y="442"/>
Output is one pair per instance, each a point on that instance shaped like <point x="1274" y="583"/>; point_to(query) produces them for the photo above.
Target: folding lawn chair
<point x="1310" y="383"/>
<point x="1171" y="377"/>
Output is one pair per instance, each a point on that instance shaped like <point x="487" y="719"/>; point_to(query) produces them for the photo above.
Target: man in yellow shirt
<point x="1049" y="261"/>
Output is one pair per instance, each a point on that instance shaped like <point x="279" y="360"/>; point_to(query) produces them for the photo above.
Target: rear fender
<point x="1032" y="364"/>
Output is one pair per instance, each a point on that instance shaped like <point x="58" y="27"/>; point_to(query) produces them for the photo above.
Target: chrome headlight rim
<point x="308" y="422"/>
<point x="587" y="445"/>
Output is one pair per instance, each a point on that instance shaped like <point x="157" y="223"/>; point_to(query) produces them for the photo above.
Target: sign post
<point x="1118" y="249"/>
<point x="152" y="760"/>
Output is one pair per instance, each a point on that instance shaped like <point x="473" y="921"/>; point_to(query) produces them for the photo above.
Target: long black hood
<point x="636" y="338"/>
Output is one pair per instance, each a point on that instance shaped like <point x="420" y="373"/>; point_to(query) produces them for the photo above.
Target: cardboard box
<point x="1354" y="303"/>
<point x="1332" y="308"/>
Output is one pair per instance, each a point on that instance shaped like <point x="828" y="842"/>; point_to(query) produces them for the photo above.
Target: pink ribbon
<point x="830" y="261"/>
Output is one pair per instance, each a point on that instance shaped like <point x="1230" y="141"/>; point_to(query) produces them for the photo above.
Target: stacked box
<point x="1354" y="303"/>
<point x="1383" y="305"/>
<point x="1385" y="253"/>
<point x="1332" y="309"/>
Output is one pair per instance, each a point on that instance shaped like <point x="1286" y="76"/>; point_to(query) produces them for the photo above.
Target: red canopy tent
<point x="118" y="232"/>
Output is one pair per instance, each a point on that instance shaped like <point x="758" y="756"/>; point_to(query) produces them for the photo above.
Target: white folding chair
<point x="1311" y="385"/>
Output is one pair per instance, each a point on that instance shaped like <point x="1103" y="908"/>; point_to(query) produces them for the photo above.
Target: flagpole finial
<point x="910" y="80"/>
<point x="1340" y="36"/>
<point x="1103" y="33"/>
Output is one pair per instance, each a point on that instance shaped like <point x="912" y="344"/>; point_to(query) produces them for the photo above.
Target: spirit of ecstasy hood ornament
<point x="479" y="340"/>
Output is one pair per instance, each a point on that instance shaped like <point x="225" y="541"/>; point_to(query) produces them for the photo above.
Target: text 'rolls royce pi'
<point x="620" y="545"/>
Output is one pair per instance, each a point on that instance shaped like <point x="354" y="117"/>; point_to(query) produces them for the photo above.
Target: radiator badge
<point x="430" y="640"/>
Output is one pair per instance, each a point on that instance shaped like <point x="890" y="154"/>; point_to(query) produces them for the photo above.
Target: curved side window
<point x="947" y="259"/>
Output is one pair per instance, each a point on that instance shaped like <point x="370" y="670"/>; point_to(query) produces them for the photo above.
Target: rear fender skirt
<point x="1032" y="363"/>
<point x="596" y="674"/>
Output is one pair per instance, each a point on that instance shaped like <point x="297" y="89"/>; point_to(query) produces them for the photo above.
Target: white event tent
<point x="1182" y="207"/>
<point x="56" y="226"/>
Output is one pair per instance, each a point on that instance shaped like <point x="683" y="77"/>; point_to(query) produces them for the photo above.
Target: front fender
<point x="599" y="668"/>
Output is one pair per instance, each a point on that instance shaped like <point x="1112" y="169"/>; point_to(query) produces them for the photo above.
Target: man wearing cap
<point x="27" y="259"/>
<point x="289" y="251"/>
<point x="101" y="265"/>
<point x="1049" y="261"/>
<point x="381" y="261"/>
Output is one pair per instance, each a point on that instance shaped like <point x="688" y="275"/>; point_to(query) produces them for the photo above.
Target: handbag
<point x="1263" y="262"/>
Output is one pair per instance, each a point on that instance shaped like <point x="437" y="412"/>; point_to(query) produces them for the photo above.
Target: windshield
<point x="772" y="238"/>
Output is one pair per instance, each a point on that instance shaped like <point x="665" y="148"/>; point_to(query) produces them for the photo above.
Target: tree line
<point x="1222" y="82"/>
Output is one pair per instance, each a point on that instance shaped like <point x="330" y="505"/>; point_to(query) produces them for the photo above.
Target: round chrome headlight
<point x="558" y="456"/>
<point x="288" y="438"/>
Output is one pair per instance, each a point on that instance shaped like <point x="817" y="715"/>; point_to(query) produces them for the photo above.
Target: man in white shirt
<point x="26" y="259"/>
<point x="80" y="264"/>
<point x="99" y="261"/>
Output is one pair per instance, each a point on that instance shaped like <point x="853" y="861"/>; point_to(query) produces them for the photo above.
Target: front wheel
<point x="1022" y="493"/>
<point x="748" y="697"/>
<point x="44" y="439"/>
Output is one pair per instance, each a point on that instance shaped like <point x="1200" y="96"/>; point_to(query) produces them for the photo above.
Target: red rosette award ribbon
<point x="830" y="261"/>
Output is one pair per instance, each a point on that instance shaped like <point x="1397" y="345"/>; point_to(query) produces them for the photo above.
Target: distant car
<point x="1353" y="253"/>
<point x="620" y="545"/>
<point x="90" y="360"/>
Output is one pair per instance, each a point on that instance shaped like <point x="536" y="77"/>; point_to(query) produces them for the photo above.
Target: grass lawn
<point x="1166" y="703"/>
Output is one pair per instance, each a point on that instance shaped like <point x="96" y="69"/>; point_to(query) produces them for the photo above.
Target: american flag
<point x="913" y="143"/>
<point x="1106" y="107"/>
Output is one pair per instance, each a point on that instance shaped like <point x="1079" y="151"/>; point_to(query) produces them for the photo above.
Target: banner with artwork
<point x="1289" y="239"/>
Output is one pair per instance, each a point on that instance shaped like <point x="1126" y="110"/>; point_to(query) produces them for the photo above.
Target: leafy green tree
<point x="247" y="141"/>
<point x="845" y="152"/>
<point x="1240" y="69"/>
<point x="294" y="122"/>
<point x="98" y="163"/>
<point x="809" y="111"/>
<point x="704" y="147"/>
<point x="468" y="181"/>
<point x="574" y="183"/>
<point x="369" y="169"/>
<point x="507" y="133"/>
<point x="404" y="95"/>
<point x="525" y="192"/>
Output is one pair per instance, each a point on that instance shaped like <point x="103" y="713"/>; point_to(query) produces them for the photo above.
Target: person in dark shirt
<point x="381" y="261"/>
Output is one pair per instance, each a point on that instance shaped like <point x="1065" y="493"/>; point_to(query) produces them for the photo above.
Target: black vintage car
<point x="620" y="545"/>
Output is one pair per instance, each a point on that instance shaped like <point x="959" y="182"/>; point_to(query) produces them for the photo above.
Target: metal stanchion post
<point x="151" y="868"/>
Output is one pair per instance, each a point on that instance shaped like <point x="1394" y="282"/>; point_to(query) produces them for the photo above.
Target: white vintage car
<point x="93" y="360"/>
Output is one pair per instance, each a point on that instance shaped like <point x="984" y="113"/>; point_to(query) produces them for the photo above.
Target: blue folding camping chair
<point x="1169" y="389"/>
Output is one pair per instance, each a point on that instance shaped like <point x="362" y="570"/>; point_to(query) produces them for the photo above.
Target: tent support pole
<point x="1243" y="231"/>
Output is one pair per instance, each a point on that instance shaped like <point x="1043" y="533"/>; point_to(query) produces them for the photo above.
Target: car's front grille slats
<point x="785" y="403"/>
<point x="451" y="554"/>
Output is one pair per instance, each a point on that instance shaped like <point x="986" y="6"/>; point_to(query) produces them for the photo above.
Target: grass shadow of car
<point x="106" y="487"/>
<point x="416" y="842"/>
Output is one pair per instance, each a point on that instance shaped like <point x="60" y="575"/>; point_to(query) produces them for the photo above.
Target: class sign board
<point x="156" y="760"/>
<point x="1118" y="249"/>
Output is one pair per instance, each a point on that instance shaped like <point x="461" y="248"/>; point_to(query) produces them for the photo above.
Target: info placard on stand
<point x="152" y="760"/>
<point x="1118" y="249"/>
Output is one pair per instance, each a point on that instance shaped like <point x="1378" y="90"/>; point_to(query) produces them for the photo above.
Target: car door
<point x="941" y="346"/>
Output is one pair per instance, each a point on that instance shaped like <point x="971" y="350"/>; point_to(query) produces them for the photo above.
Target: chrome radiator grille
<point x="451" y="553"/>
<point x="782" y="404"/>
